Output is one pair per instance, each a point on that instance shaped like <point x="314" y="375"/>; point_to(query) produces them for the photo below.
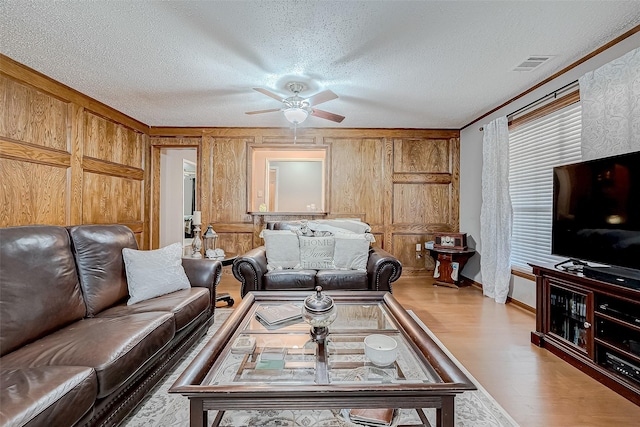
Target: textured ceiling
<point x="393" y="64"/>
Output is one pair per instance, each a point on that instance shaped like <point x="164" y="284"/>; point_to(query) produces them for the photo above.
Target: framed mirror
<point x="287" y="178"/>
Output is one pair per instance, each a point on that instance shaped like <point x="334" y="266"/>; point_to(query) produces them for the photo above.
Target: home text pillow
<point x="316" y="252"/>
<point x="282" y="247"/>
<point x="154" y="273"/>
<point x="351" y="251"/>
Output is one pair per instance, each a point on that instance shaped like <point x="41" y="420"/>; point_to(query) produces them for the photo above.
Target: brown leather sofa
<point x="251" y="270"/>
<point x="72" y="352"/>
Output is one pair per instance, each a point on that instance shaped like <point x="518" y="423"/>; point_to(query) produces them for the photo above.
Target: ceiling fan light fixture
<point x="296" y="115"/>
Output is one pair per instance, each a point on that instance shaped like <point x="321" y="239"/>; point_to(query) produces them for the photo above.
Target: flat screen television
<point x="596" y="211"/>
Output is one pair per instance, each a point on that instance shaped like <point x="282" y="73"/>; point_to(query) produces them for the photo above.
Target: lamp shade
<point x="296" y="115"/>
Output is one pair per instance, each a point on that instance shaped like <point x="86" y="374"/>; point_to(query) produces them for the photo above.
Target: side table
<point x="449" y="265"/>
<point x="228" y="259"/>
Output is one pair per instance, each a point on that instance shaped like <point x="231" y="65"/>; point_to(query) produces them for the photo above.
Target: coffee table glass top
<point x="288" y="355"/>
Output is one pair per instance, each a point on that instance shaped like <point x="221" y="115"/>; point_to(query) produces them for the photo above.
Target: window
<point x="535" y="147"/>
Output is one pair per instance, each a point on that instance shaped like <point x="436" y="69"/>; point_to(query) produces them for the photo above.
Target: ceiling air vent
<point x="532" y="62"/>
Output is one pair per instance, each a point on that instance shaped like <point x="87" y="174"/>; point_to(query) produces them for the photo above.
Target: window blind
<point x="534" y="149"/>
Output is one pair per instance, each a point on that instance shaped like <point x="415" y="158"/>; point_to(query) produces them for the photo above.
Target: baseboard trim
<point x="510" y="300"/>
<point x="521" y="305"/>
<point x="416" y="273"/>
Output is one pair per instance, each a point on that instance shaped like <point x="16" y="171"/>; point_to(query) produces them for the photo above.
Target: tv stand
<point x="592" y="324"/>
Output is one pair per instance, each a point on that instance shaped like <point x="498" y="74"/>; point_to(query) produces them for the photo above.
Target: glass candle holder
<point x="319" y="311"/>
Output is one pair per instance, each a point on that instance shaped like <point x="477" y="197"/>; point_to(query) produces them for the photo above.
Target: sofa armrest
<point x="203" y="273"/>
<point x="249" y="269"/>
<point x="382" y="269"/>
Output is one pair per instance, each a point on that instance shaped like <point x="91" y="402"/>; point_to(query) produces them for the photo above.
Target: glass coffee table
<point x="287" y="369"/>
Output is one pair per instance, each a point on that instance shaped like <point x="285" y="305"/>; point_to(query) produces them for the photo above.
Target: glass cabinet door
<point x="568" y="315"/>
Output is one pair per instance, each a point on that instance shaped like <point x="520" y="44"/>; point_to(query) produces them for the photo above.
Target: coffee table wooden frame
<point x="205" y="398"/>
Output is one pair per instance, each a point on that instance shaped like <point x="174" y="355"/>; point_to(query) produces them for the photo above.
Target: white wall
<point x="522" y="290"/>
<point x="171" y="193"/>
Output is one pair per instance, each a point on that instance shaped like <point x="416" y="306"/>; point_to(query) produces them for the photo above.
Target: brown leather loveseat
<point x="73" y="353"/>
<point x="382" y="269"/>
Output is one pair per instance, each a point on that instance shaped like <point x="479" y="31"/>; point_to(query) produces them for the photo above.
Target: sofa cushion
<point x="39" y="289"/>
<point x="98" y="253"/>
<point x="283" y="249"/>
<point x="47" y="395"/>
<point x="342" y="279"/>
<point x="316" y="252"/>
<point x="115" y="347"/>
<point x="281" y="280"/>
<point x="186" y="305"/>
<point x="154" y="273"/>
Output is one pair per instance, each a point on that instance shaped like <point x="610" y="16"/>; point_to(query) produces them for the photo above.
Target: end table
<point x="228" y="259"/>
<point x="449" y="265"/>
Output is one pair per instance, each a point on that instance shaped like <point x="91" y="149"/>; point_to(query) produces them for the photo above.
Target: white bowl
<point x="381" y="350"/>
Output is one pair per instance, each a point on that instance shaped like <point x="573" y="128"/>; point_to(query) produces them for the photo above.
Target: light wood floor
<point x="493" y="342"/>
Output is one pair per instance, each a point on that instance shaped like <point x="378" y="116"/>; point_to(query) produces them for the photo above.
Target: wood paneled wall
<point x="67" y="159"/>
<point x="405" y="183"/>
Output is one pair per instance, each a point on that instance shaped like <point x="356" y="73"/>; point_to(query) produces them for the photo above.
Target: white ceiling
<point x="394" y="64"/>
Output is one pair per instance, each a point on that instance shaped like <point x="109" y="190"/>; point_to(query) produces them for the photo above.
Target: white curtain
<point x="610" y="98"/>
<point x="496" y="215"/>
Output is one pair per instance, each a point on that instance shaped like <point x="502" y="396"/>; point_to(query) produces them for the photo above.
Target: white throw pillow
<point x="340" y="225"/>
<point x="282" y="248"/>
<point x="154" y="273"/>
<point x="351" y="251"/>
<point x="316" y="252"/>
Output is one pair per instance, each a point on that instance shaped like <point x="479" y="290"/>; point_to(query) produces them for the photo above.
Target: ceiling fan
<point x="296" y="109"/>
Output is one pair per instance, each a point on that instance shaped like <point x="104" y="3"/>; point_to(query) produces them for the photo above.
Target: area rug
<point x="161" y="409"/>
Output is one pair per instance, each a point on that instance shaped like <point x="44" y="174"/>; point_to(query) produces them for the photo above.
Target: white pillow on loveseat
<point x="154" y="273"/>
<point x="340" y="226"/>
<point x="282" y="249"/>
<point x="351" y="251"/>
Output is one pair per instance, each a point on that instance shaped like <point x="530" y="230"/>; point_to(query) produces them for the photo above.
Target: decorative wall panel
<point x="110" y="199"/>
<point x="421" y="156"/>
<point x="32" y="193"/>
<point x="356" y="188"/>
<point x="421" y="204"/>
<point x="113" y="142"/>
<point x="229" y="192"/>
<point x="31" y="116"/>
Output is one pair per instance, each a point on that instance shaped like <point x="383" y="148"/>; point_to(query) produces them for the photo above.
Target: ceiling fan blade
<point x="263" y="111"/>
<point x="321" y="97"/>
<point x="327" y="115"/>
<point x="269" y="94"/>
